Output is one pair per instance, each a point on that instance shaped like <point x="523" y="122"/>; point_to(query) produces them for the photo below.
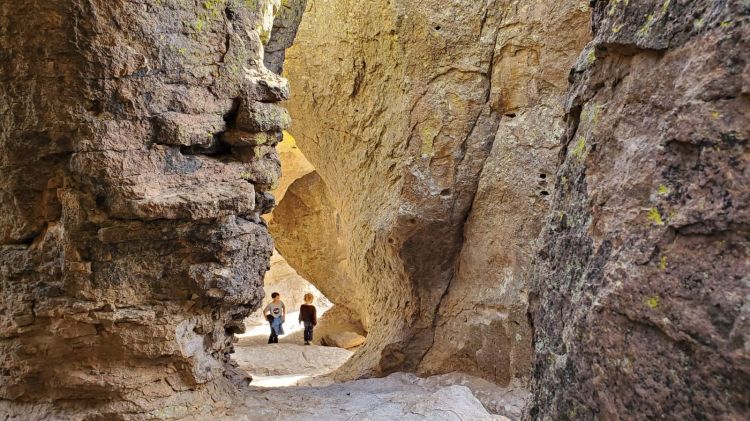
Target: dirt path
<point x="290" y="382"/>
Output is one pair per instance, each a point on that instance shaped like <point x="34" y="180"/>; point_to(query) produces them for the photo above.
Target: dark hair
<point x="274" y="295"/>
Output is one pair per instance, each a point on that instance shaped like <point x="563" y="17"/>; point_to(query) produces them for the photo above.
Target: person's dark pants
<point x="308" y="331"/>
<point x="274" y="338"/>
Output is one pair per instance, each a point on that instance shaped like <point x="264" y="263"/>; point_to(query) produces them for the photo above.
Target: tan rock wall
<point x="397" y="106"/>
<point x="483" y="326"/>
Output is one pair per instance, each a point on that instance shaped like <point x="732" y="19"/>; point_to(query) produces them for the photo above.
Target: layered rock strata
<point x="137" y="149"/>
<point x="640" y="289"/>
<point x="407" y="109"/>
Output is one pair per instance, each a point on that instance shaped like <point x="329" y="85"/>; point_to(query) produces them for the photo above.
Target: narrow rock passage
<point x="289" y="362"/>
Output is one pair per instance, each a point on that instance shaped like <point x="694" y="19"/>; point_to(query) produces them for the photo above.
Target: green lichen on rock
<point x="646" y="28"/>
<point x="655" y="217"/>
<point x="653" y="302"/>
<point x="591" y="56"/>
<point x="663" y="263"/>
<point x="428" y="133"/>
<point x="579" y="150"/>
<point x="665" y="7"/>
<point x="663" y="190"/>
<point x="214" y="7"/>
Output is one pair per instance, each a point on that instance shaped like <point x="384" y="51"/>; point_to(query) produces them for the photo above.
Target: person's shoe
<point x="307" y="343"/>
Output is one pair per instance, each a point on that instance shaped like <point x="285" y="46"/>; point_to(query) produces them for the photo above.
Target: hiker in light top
<point x="308" y="315"/>
<point x="275" y="313"/>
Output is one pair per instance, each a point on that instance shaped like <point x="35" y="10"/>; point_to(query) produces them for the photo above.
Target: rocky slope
<point x="640" y="289"/>
<point x="407" y="110"/>
<point x="137" y="147"/>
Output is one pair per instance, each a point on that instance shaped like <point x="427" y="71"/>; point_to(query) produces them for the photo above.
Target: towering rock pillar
<point x="641" y="286"/>
<point x="136" y="148"/>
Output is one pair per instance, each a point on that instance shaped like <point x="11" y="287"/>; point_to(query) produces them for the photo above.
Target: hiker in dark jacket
<point x="308" y="315"/>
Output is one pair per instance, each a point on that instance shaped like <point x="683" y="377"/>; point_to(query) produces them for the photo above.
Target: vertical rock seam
<point x="640" y="288"/>
<point x="137" y="148"/>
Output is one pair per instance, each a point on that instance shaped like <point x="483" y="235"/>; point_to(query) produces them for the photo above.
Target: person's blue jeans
<point x="308" y="331"/>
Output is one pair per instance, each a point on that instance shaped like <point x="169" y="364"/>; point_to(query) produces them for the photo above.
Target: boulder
<point x="344" y="340"/>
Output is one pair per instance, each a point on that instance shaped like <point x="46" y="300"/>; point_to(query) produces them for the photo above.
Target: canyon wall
<point x="419" y="117"/>
<point x="137" y="149"/>
<point x="640" y="290"/>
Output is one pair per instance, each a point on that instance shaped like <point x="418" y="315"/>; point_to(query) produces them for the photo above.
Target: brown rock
<point x="263" y="117"/>
<point x="640" y="287"/>
<point x="305" y="225"/>
<point x="483" y="327"/>
<point x="130" y="247"/>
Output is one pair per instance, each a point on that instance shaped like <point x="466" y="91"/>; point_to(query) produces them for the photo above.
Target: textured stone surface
<point x="398" y="106"/>
<point x="285" y="27"/>
<point x="294" y="165"/>
<point x="482" y="326"/>
<point x="129" y="245"/>
<point x="641" y="286"/>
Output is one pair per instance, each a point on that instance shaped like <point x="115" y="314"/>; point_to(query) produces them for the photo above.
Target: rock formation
<point x="137" y="149"/>
<point x="482" y="326"/>
<point x="407" y="109"/>
<point x="641" y="285"/>
<point x="473" y="204"/>
<point x="306" y="224"/>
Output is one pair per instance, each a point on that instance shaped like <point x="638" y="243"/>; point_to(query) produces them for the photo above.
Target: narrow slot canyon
<point x="502" y="209"/>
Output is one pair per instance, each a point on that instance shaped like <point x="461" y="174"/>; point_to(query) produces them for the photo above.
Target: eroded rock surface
<point x="482" y="326"/>
<point x="407" y="109"/>
<point x="641" y="285"/>
<point x="137" y="151"/>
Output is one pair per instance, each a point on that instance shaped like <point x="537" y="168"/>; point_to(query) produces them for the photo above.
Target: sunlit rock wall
<point x="407" y="109"/>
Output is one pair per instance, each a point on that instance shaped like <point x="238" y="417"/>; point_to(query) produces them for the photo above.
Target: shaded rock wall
<point x="136" y="150"/>
<point x="640" y="288"/>
<point x="397" y="105"/>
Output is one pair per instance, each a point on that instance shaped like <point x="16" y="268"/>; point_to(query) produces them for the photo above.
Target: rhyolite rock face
<point x="420" y="116"/>
<point x="641" y="286"/>
<point x="136" y="149"/>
